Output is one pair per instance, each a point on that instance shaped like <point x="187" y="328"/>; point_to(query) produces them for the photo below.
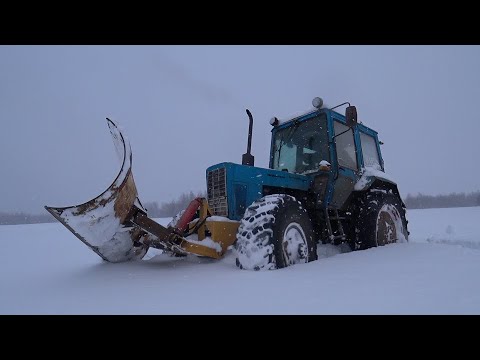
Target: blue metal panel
<point x="240" y="197"/>
<point x="254" y="179"/>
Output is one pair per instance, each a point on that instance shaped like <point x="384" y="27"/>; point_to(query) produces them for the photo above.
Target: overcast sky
<point x="183" y="109"/>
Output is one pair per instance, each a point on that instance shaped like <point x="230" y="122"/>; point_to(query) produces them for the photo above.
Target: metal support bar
<point x="167" y="239"/>
<point x="337" y="218"/>
<point x="164" y="238"/>
<point x="329" y="226"/>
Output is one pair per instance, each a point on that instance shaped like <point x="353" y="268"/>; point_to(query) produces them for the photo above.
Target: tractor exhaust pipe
<point x="248" y="158"/>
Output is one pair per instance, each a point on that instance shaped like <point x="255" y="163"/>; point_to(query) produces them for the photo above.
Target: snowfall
<point x="45" y="269"/>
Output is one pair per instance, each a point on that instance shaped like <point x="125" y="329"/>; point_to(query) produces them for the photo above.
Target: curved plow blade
<point x="102" y="223"/>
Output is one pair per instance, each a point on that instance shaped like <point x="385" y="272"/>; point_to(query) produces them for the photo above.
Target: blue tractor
<point x="326" y="183"/>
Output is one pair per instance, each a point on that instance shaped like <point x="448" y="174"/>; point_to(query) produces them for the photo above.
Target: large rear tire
<point x="274" y="233"/>
<point x="381" y="220"/>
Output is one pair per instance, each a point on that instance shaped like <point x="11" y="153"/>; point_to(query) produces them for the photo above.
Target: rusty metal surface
<point x="100" y="222"/>
<point x="154" y="228"/>
<point x="127" y="193"/>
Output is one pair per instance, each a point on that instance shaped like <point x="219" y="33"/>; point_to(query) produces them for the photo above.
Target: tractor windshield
<point x="300" y="147"/>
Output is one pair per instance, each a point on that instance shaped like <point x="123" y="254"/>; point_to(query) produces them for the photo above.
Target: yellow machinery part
<point x="221" y="232"/>
<point x="201" y="250"/>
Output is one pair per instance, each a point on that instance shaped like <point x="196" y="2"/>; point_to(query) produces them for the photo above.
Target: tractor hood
<point x="232" y="187"/>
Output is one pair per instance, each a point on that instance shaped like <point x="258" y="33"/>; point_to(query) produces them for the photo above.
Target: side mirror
<point x="351" y="116"/>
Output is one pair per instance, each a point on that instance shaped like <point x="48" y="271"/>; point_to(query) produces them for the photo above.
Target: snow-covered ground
<point x="44" y="269"/>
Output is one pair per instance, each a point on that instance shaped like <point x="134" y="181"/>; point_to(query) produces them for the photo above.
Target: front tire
<point x="274" y="233"/>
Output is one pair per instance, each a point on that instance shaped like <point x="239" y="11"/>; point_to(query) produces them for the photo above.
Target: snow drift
<point x="44" y="269"/>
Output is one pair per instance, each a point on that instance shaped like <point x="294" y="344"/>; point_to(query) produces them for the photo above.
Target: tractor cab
<point x="301" y="145"/>
<point x="327" y="146"/>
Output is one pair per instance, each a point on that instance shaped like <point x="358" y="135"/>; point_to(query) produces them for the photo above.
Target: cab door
<point x="346" y="166"/>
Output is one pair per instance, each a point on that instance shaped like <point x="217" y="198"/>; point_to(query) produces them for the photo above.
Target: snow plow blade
<point x="115" y="224"/>
<point x="102" y="223"/>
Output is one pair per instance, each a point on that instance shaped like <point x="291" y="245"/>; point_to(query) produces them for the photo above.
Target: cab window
<point x="370" y="151"/>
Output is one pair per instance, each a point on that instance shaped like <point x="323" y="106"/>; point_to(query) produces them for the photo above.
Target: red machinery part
<point x="188" y="215"/>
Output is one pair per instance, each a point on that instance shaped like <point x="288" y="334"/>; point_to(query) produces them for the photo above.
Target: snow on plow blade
<point x="101" y="222"/>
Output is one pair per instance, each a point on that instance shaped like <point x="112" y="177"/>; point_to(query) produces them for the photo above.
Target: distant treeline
<point x="24" y="218"/>
<point x="421" y="201"/>
<point x="166" y="209"/>
<point x="171" y="208"/>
